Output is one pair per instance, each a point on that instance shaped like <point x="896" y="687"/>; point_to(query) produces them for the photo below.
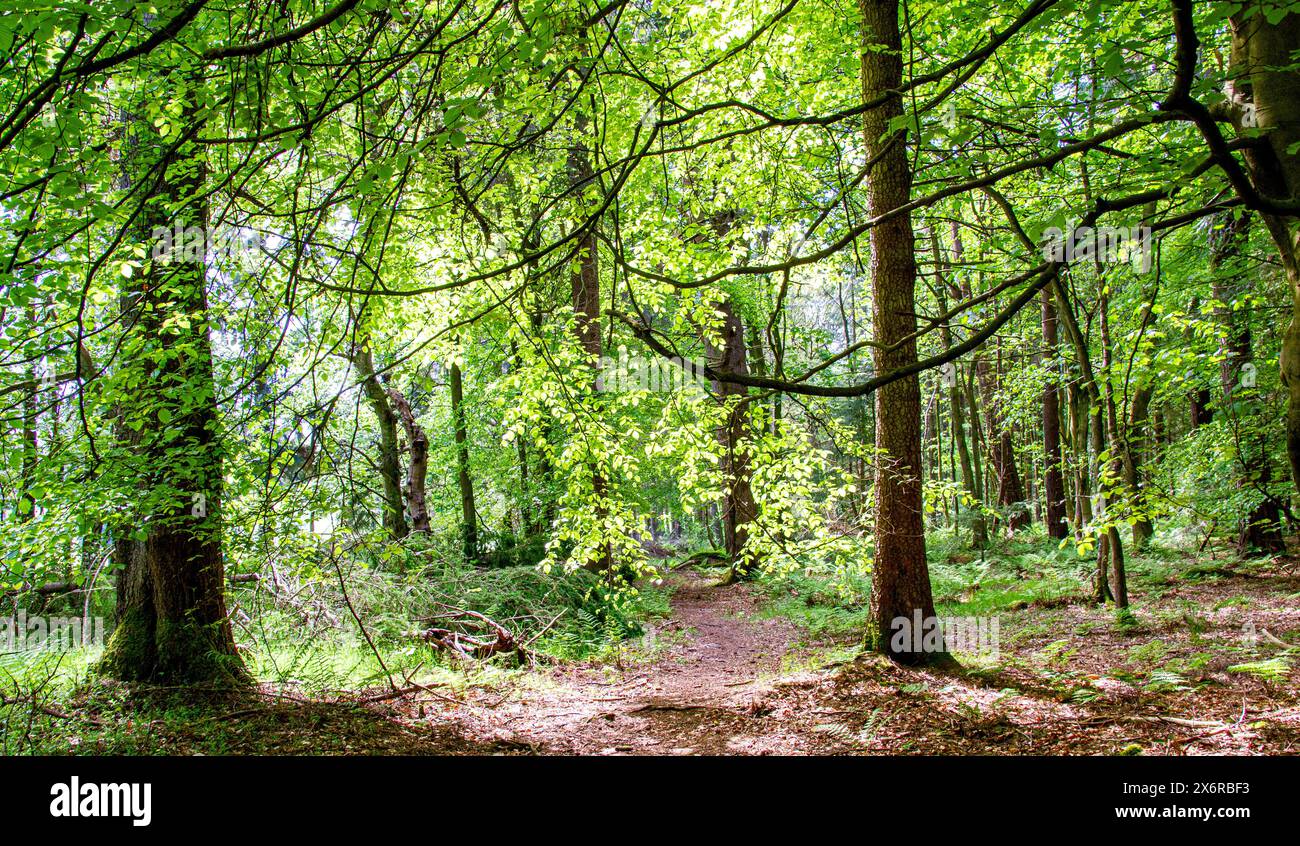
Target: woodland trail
<point x="705" y="691"/>
<point x="727" y="680"/>
<point x="718" y="676"/>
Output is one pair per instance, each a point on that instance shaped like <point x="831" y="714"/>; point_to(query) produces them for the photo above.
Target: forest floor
<point x="703" y="688"/>
<point x="1204" y="665"/>
<point x="1177" y="679"/>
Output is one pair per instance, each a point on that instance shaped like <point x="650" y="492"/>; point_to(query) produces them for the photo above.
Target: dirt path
<point x="704" y="693"/>
<point x="1071" y="682"/>
<point x="712" y="679"/>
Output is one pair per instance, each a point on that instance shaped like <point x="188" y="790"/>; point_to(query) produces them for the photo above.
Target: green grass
<point x="303" y="640"/>
<point x="818" y="604"/>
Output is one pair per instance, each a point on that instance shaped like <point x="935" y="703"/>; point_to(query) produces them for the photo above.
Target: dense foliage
<point x="377" y="309"/>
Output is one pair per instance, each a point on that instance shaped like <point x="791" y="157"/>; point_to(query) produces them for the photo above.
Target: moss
<point x="193" y="653"/>
<point x="876" y="642"/>
<point x="130" y="654"/>
<point x="175" y="652"/>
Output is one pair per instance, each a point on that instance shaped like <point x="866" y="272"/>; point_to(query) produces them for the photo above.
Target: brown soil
<point x="718" y="688"/>
<point x="704" y="694"/>
<point x="724" y="680"/>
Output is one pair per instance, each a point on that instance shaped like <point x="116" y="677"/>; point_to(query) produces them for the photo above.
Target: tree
<point x="390" y="458"/>
<point x="468" y="513"/>
<point x="1053" y="482"/>
<point x="901" y="577"/>
<point x="172" y="622"/>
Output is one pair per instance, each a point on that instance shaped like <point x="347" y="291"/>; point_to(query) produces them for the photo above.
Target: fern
<point x="1083" y="695"/>
<point x="1271" y="669"/>
<point x="1161" y="680"/>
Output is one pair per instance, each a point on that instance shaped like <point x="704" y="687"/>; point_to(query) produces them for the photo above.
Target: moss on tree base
<point x="131" y="652"/>
<point x="171" y="652"/>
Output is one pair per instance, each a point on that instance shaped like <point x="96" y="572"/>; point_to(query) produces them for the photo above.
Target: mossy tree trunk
<point x="390" y="459"/>
<point x="585" y="284"/>
<point x="172" y="623"/>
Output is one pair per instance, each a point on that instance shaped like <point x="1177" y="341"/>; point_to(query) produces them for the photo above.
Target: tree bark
<point x="738" y="506"/>
<point x="390" y="459"/>
<point x="586" y="305"/>
<point x="901" y="579"/>
<point x="465" y="481"/>
<point x="1265" y="80"/>
<point x="1053" y="483"/>
<point x="417" y="468"/>
<point x="172" y="623"/>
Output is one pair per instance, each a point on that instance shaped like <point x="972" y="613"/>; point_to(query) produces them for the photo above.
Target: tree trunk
<point x="1110" y="548"/>
<point x="956" y="397"/>
<point x="1053" y="483"/>
<point x="901" y="579"/>
<point x="390" y="459"/>
<point x="1001" y="449"/>
<point x="417" y="468"/>
<point x="26" y="502"/>
<point x="738" y="507"/>
<point x="1259" y="532"/>
<point x="977" y="450"/>
<point x="586" y="308"/>
<point x="1266" y="79"/>
<point x="1136" y="443"/>
<point x="1105" y="416"/>
<point x="172" y="623"/>
<point x="468" y="512"/>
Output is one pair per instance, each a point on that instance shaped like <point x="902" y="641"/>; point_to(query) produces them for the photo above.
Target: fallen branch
<point x="48" y="711"/>
<point x="703" y="557"/>
<point x="48" y="589"/>
<point x="470" y="646"/>
<point x="544" y="630"/>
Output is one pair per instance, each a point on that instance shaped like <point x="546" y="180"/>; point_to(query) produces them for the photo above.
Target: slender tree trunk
<point x="390" y="458"/>
<point x="1136" y="444"/>
<point x="27" y="502"/>
<point x="1110" y="549"/>
<point x="977" y="447"/>
<point x="1053" y="483"/>
<point x="1080" y="414"/>
<point x="956" y="398"/>
<point x="468" y="513"/>
<point x="1010" y="488"/>
<point x="901" y="578"/>
<point x="1107" y="418"/>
